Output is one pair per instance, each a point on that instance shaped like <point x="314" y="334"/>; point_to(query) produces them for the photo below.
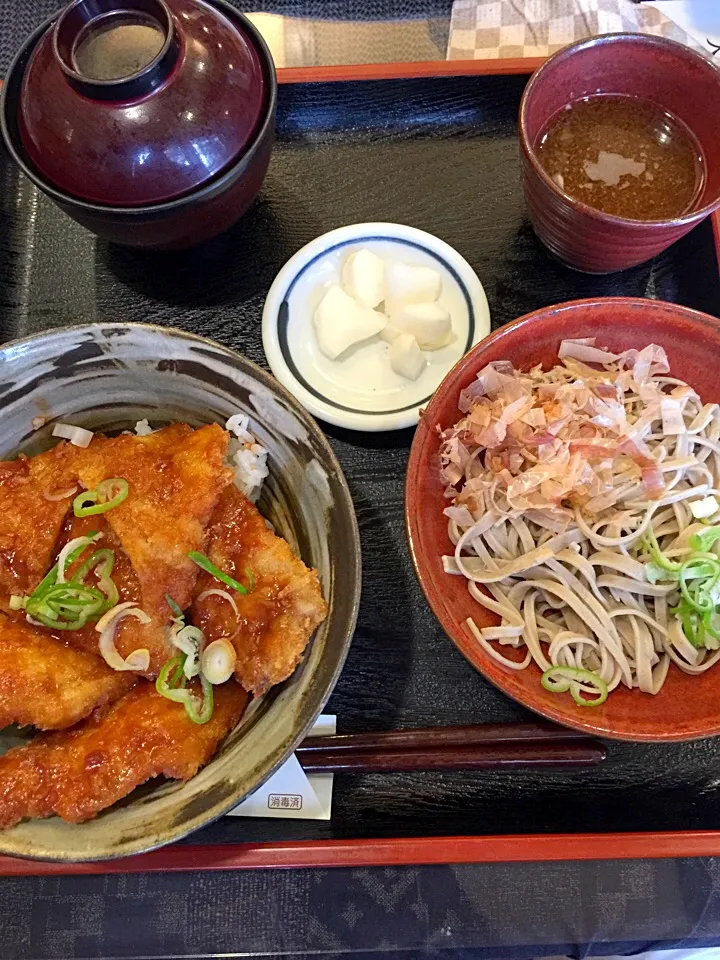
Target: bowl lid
<point x="132" y="102"/>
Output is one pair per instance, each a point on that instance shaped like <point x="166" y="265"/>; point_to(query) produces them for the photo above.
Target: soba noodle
<point x="578" y="494"/>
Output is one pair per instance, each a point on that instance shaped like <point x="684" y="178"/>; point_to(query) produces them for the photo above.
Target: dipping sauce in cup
<point x="620" y="149"/>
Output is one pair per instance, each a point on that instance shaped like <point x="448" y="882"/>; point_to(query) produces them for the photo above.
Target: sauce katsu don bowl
<point x="179" y="585"/>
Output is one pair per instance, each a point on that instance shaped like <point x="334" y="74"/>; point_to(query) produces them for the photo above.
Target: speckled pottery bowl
<point x="108" y="376"/>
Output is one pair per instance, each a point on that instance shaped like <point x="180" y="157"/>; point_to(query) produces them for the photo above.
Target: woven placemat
<point x="18" y="18"/>
<point x="494" y="29"/>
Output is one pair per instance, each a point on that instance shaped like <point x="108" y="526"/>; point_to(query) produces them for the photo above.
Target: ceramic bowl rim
<point x="8" y="106"/>
<point x="528" y="149"/>
<point x="354" y="556"/>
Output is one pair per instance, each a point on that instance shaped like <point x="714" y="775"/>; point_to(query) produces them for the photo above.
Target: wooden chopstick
<point x="497" y="756"/>
<point x="484" y="746"/>
<point x="422" y="737"/>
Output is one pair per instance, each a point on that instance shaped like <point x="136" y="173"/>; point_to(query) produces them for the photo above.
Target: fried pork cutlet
<point x="278" y="615"/>
<point x="29" y="521"/>
<point x="175" y="478"/>
<point x="48" y="685"/>
<point x="77" y="773"/>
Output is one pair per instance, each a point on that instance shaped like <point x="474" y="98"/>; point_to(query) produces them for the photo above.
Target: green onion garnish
<point x="50" y="578"/>
<point x="173" y="688"/>
<point x="209" y="567"/>
<point x="174" y="607"/>
<point x="659" y="558"/>
<point x="108" y="495"/>
<point x="561" y="679"/>
<point x="71" y="604"/>
<point x="66" y="606"/>
<point x="703" y="541"/>
<point x="698" y="576"/>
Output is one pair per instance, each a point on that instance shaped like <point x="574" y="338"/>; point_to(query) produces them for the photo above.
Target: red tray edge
<point x="391" y="852"/>
<point x="401" y="851"/>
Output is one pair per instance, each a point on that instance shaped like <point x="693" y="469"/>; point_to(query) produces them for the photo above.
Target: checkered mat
<point x="491" y="29"/>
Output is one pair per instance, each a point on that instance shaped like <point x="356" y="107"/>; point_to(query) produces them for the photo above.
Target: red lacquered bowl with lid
<point x="148" y="121"/>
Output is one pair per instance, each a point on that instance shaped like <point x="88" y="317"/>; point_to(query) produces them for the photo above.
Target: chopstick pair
<point x="481" y="747"/>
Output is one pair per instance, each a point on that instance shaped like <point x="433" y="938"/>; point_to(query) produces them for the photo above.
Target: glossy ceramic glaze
<point x="662" y="71"/>
<point x="157" y="133"/>
<point x="109" y="376"/>
<point x="197" y="214"/>
<point x="687" y="707"/>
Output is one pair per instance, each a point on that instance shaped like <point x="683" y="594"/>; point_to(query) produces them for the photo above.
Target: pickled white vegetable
<point x="406" y="357"/>
<point x="429" y="323"/>
<point x="389" y="333"/>
<point x="340" y="321"/>
<point x="408" y="284"/>
<point x="363" y="277"/>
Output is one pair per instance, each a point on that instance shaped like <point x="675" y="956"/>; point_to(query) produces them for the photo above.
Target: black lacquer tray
<point x="441" y="154"/>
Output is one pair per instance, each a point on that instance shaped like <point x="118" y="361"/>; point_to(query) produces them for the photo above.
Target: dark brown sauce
<point x="624" y="156"/>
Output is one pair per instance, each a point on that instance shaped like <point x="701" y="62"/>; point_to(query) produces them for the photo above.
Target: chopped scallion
<point x="174" y="607"/>
<point x="560" y="679"/>
<point x="704" y="541"/>
<point x="209" y="567"/>
<point x="108" y="495"/>
<point x="171" y="685"/>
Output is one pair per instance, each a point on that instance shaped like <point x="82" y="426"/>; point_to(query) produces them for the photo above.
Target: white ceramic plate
<point x="360" y="391"/>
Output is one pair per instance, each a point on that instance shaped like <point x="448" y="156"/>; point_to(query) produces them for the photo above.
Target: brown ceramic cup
<point x="667" y="73"/>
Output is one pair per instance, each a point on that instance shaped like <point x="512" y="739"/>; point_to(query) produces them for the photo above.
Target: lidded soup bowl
<point x="148" y="121"/>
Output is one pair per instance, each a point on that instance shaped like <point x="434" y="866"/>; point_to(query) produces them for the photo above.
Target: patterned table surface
<point x="512" y="910"/>
<point x="493" y="911"/>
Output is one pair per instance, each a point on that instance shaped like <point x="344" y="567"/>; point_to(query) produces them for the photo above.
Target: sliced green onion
<point x="67" y="556"/>
<point x="108" y="495"/>
<point x="560" y="679"/>
<point x="164" y="684"/>
<point x="699" y="598"/>
<point x="209" y="567"/>
<point x="218" y="661"/>
<point x="174" y="607"/>
<point x="659" y="558"/>
<point x="703" y="541"/>
<point x="68" y="605"/>
<point x="199" y="711"/>
<point x="106" y="557"/>
<point x="17" y="602"/>
<point x="102" y="562"/>
<point x="179" y="678"/>
<point x="709" y="627"/>
<point x="698" y="576"/>
<point x="191" y="641"/>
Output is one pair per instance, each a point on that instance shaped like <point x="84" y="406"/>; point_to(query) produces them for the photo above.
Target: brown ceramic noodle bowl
<point x="666" y="73"/>
<point x="687" y="707"/>
<point x="108" y="376"/>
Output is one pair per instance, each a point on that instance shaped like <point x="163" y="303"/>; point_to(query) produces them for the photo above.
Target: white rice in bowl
<point x="247" y="457"/>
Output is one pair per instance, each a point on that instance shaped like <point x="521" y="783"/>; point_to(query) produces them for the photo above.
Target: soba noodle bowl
<point x="583" y="514"/>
